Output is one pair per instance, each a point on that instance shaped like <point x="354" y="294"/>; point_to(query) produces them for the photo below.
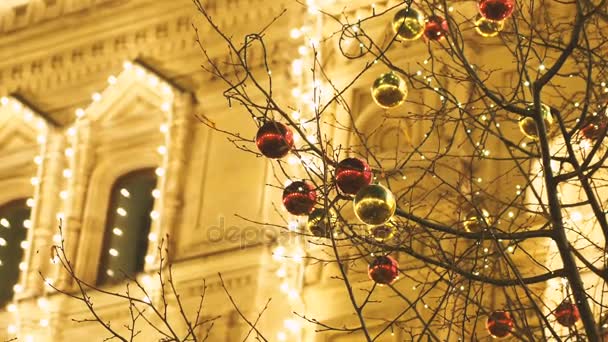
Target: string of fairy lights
<point x="132" y="71"/>
<point x="289" y="255"/>
<point x="17" y="108"/>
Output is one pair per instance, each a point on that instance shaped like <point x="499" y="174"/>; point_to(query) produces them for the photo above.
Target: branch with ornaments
<point x="465" y="170"/>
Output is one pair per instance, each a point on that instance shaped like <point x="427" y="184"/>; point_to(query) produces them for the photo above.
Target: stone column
<point x="44" y="221"/>
<point x="81" y="167"/>
<point x="181" y="123"/>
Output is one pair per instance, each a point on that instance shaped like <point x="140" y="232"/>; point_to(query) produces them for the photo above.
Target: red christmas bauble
<point x="567" y="314"/>
<point x="299" y="197"/>
<point x="383" y="270"/>
<point x="496" y="9"/>
<point x="274" y="139"/>
<point x="594" y="126"/>
<point x="352" y="174"/>
<point x="500" y="324"/>
<point x="435" y="28"/>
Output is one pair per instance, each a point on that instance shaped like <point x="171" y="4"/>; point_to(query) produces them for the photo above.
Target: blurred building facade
<point x="107" y="127"/>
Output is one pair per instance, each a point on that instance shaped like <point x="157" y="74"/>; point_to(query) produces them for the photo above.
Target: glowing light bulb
<point x="153" y="237"/>
<point x="113" y="252"/>
<point x="162" y="150"/>
<point x="295" y="33"/>
<point x="112" y="79"/>
<point x="125" y="192"/>
<point x="293" y="294"/>
<point x="79" y="112"/>
<point x="154" y="215"/>
<point x="140" y="72"/>
<point x="153" y="80"/>
<point x="292" y="325"/>
<point x="121" y="211"/>
<point x="22" y="266"/>
<point x="156" y="193"/>
<point x="159" y="171"/>
<point x="4" y="223"/>
<point x="278" y="252"/>
<point x="96" y="97"/>
<point x="117" y="231"/>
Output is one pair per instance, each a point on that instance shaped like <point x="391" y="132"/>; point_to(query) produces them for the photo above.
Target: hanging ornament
<point x="408" y="24"/>
<point x="352" y="174"/>
<point x="496" y="9"/>
<point x="374" y="204"/>
<point x="383" y="232"/>
<point x="317" y="222"/>
<point x="500" y="324"/>
<point x="299" y="197"/>
<point x="274" y="139"/>
<point x="477" y="220"/>
<point x="594" y="126"/>
<point x="528" y="127"/>
<point x="566" y="313"/>
<point x="389" y="90"/>
<point x="436" y="28"/>
<point x="383" y="270"/>
<point x="488" y="28"/>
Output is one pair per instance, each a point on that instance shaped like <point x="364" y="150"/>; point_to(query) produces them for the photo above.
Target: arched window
<point x="14" y="222"/>
<point x="127" y="226"/>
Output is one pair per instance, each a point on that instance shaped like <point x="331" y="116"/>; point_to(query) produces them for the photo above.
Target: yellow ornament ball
<point x="408" y="24"/>
<point x="374" y="205"/>
<point x="389" y="90"/>
<point x="476" y="220"/>
<point x="528" y="127"/>
<point x="488" y="28"/>
<point x="318" y="221"/>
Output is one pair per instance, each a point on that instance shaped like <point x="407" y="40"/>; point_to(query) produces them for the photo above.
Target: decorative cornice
<point x="74" y="52"/>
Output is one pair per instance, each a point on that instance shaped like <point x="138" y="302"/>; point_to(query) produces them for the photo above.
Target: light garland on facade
<point x="131" y="70"/>
<point x="290" y="255"/>
<point x="16" y="107"/>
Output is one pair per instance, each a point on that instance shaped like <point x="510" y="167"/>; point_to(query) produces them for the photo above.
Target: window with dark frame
<point x="127" y="226"/>
<point x="14" y="222"/>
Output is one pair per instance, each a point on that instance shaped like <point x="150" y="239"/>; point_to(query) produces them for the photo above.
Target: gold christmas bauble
<point x="408" y="24"/>
<point x="476" y="220"/>
<point x="374" y="204"/>
<point x="318" y="221"/>
<point x="383" y="232"/>
<point x="528" y="127"/>
<point x="389" y="90"/>
<point x="488" y="28"/>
